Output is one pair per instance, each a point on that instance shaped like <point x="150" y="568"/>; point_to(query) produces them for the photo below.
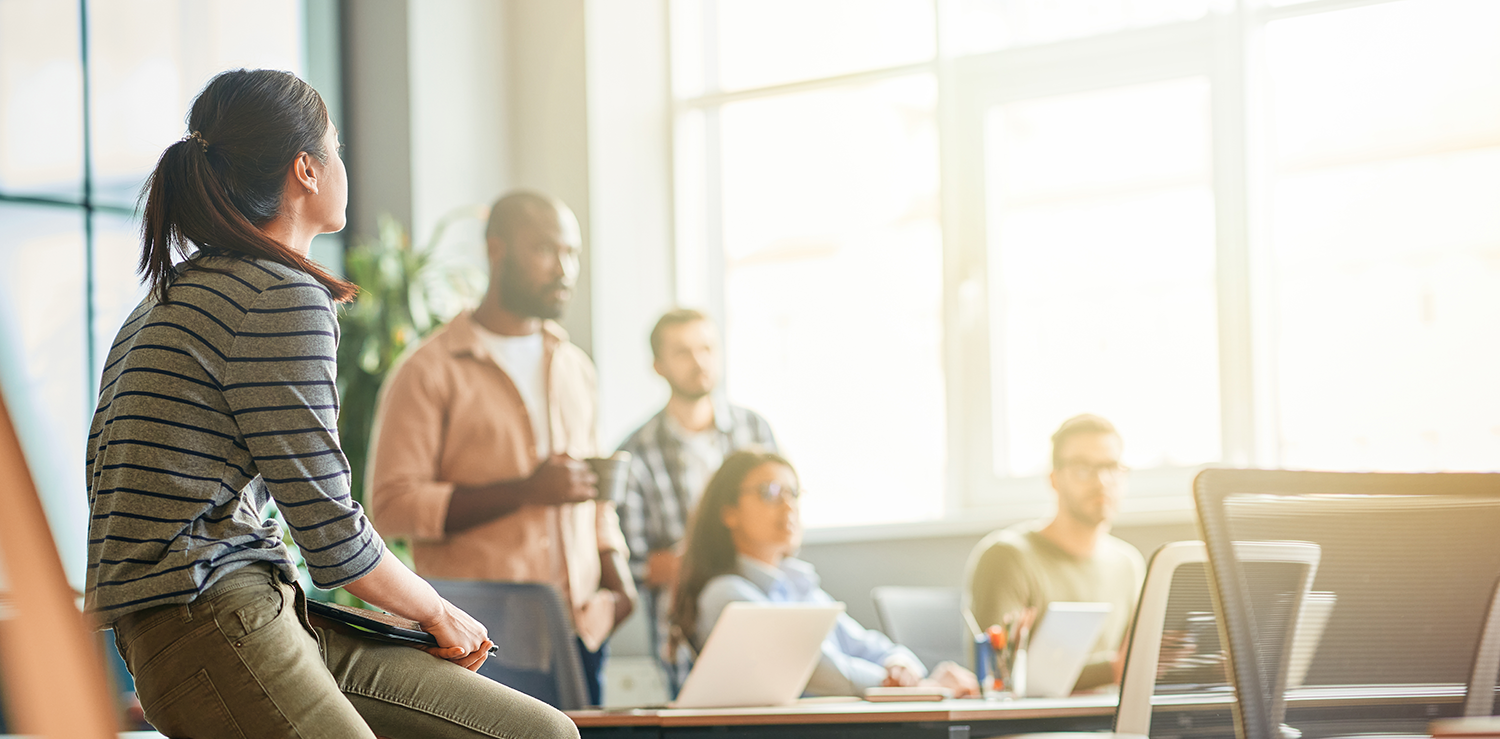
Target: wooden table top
<point x="853" y="711"/>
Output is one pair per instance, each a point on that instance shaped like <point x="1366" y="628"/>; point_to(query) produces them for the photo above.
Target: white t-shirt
<point x="702" y="454"/>
<point x="521" y="358"/>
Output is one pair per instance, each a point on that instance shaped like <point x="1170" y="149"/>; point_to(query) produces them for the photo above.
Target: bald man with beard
<point x="481" y="430"/>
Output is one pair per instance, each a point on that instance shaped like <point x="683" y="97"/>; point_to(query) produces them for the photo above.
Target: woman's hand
<point x="461" y="640"/>
<point x="957" y="679"/>
<point x="391" y="586"/>
<point x="900" y="675"/>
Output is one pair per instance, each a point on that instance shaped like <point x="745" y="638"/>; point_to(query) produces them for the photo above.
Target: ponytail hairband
<point x="201" y="141"/>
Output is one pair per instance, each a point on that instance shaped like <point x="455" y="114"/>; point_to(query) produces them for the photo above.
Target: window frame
<point x="320" y="59"/>
<point x="1224" y="48"/>
<point x="977" y="83"/>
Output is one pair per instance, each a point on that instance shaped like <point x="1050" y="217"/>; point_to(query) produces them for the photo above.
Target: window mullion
<point x="1231" y="206"/>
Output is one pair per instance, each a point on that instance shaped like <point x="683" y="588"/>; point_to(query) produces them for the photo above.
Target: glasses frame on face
<point x="1082" y="470"/>
<point x="773" y="491"/>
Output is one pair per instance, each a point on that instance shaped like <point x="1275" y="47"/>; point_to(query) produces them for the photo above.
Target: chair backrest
<point x="1407" y="571"/>
<point x="1480" y="696"/>
<point x="1174" y="643"/>
<point x="44" y="640"/>
<point x="538" y="649"/>
<point x="1143" y="654"/>
<point x="928" y="621"/>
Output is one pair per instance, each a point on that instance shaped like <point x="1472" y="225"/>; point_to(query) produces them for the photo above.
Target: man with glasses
<point x="1071" y="558"/>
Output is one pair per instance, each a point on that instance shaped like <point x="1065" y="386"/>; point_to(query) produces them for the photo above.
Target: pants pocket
<point x="245" y="612"/>
<point x="193" y="708"/>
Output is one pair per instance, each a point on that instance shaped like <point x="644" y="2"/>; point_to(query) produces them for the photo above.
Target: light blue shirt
<point x="854" y="658"/>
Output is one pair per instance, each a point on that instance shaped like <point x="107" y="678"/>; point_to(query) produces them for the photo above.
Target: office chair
<point x="530" y="624"/>
<point x="1479" y="698"/>
<point x="928" y="621"/>
<point x="1175" y="572"/>
<point x="43" y="637"/>
<point x="1411" y="561"/>
<point x="1177" y="594"/>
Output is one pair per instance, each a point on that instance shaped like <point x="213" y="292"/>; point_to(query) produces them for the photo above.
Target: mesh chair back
<point x="928" y="621"/>
<point x="528" y="622"/>
<point x="1174" y="645"/>
<point x="1406" y="574"/>
<point x="1480" y="700"/>
<point x="1168" y="648"/>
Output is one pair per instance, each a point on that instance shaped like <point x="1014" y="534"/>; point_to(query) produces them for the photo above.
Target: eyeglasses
<point x="1081" y="470"/>
<point x="771" y="492"/>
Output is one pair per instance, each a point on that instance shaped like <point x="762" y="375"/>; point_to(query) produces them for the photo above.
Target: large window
<point x="825" y="238"/>
<point x="1249" y="233"/>
<point x="91" y="92"/>
<point x="1384" y="236"/>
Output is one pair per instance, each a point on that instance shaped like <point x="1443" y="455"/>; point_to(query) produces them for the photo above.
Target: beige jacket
<point x="448" y="415"/>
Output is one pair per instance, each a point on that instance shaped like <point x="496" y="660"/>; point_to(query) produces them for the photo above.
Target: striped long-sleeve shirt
<point x="210" y="407"/>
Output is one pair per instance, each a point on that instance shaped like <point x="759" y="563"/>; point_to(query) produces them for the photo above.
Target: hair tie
<point x="201" y="141"/>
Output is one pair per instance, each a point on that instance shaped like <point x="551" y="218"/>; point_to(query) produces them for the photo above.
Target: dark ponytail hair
<point x="216" y="188"/>
<point x="710" y="548"/>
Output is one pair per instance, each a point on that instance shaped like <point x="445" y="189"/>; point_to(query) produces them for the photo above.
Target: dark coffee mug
<point x="613" y="471"/>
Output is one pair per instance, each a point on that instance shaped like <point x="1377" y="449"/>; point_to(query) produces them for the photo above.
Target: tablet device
<point x="758" y="654"/>
<point x="378" y="624"/>
<point x="1061" y="646"/>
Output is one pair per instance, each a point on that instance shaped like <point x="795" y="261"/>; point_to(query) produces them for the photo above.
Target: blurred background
<point x="1250" y="233"/>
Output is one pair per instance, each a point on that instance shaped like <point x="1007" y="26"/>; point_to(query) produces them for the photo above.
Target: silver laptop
<point x="759" y="654"/>
<point x="1060" y="648"/>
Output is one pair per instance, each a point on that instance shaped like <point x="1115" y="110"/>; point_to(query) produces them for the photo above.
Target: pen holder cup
<point x="1001" y="671"/>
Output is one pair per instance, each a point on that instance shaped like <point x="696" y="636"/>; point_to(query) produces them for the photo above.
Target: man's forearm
<point x="614" y="575"/>
<point x="471" y="506"/>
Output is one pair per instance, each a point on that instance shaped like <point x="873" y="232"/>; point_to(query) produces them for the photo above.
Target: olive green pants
<point x="242" y="662"/>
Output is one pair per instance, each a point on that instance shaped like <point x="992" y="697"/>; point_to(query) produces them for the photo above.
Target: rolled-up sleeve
<point x="607" y="529"/>
<point x="280" y="390"/>
<point x="405" y="497"/>
<point x="856" y="658"/>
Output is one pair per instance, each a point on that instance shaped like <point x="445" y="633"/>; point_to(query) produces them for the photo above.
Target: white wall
<point x="376" y="128"/>
<point x="459" y="117"/>
<point x="452" y="102"/>
<point x="549" y="119"/>
<point x="630" y="188"/>
<point x="426" y="114"/>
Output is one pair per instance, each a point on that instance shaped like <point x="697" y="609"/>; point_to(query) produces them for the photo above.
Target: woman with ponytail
<point x="217" y="399"/>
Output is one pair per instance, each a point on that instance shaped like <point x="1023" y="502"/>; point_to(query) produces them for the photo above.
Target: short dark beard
<point x="522" y="299"/>
<point x="679" y="392"/>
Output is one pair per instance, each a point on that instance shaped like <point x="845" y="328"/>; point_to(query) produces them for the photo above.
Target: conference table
<point x="950" y="719"/>
<point x="1208" y="714"/>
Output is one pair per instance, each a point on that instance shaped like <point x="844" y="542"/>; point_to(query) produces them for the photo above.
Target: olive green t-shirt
<point x="1018" y="567"/>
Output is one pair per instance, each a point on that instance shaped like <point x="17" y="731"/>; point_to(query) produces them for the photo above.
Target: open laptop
<point x="759" y="654"/>
<point x="1061" y="645"/>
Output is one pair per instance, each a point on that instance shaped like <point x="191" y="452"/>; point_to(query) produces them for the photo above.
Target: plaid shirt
<point x="656" y="505"/>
